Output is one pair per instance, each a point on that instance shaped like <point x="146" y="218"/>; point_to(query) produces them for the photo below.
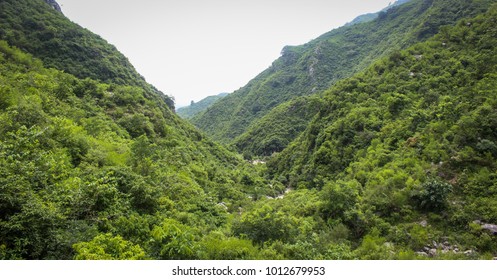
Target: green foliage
<point x="340" y="198"/>
<point x="172" y="240"/>
<point x="265" y="224"/>
<point x="108" y="247"/>
<point x="410" y="136"/>
<point x="217" y="247"/>
<point x="273" y="132"/>
<point x="81" y="159"/>
<point x="374" y="247"/>
<point x="433" y="195"/>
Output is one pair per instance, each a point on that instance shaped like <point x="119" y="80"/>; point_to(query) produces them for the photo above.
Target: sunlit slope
<point x="100" y="167"/>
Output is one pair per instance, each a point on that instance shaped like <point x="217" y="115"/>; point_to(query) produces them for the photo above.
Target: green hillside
<point x="373" y="16"/>
<point x="62" y="44"/>
<point x="92" y="170"/>
<point x="313" y="67"/>
<point x="83" y="161"/>
<point x="194" y="108"/>
<point x="273" y="132"/>
<point x="404" y="154"/>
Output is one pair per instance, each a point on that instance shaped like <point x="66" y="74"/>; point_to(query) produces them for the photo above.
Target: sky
<point x="191" y="49"/>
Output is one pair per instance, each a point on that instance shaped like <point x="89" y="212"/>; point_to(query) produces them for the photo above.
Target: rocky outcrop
<point x="54" y="5"/>
<point x="439" y="248"/>
<point x="435" y="248"/>
<point x="489" y="227"/>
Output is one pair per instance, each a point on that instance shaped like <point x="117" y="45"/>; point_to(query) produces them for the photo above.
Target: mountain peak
<point x="54" y="5"/>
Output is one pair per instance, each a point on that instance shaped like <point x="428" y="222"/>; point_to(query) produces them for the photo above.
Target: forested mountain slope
<point x="373" y="16"/>
<point x="62" y="44"/>
<point x="313" y="67"/>
<point x="404" y="155"/>
<point x="273" y="132"/>
<point x="93" y="170"/>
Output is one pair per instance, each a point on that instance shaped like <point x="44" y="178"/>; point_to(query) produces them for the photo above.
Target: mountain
<point x="94" y="164"/>
<point x="373" y="16"/>
<point x="62" y="44"/>
<point x="404" y="154"/>
<point x="315" y="66"/>
<point x="398" y="161"/>
<point x="194" y="108"/>
<point x="278" y="131"/>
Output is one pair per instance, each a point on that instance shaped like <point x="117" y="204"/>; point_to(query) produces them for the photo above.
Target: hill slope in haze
<point x="274" y="131"/>
<point x="194" y="108"/>
<point x="313" y="67"/>
<point x="373" y="16"/>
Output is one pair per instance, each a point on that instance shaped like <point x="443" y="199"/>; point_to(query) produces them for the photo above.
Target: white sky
<point x="191" y="49"/>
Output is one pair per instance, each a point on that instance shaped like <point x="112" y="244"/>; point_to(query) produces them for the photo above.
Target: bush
<point x="108" y="247"/>
<point x="232" y="248"/>
<point x="265" y="224"/>
<point x="173" y="241"/>
<point x="432" y="196"/>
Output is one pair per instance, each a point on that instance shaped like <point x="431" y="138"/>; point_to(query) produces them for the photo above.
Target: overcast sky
<point x="190" y="49"/>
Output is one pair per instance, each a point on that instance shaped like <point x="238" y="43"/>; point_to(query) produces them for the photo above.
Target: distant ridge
<point x="194" y="108"/>
<point x="372" y="16"/>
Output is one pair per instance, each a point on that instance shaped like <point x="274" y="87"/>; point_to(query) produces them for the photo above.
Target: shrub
<point x="108" y="247"/>
<point x="432" y="196"/>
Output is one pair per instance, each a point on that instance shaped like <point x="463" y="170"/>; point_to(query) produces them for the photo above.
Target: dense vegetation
<point x="85" y="163"/>
<point x="273" y="132"/>
<point x="102" y="170"/>
<point x="372" y="16"/>
<point x="405" y="153"/>
<point x="398" y="162"/>
<point x="313" y="67"/>
<point x="194" y="108"/>
<point x="62" y="44"/>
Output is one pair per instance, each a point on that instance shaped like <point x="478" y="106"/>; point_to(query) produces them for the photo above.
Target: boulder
<point x="491" y="228"/>
<point x="422" y="254"/>
<point x="432" y="252"/>
<point x="469" y="252"/>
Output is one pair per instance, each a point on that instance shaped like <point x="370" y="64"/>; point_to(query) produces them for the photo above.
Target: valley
<point x="375" y="141"/>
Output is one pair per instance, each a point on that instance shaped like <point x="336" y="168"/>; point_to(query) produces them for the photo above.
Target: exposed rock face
<point x="491" y="228"/>
<point x="437" y="248"/>
<point x="54" y="5"/>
